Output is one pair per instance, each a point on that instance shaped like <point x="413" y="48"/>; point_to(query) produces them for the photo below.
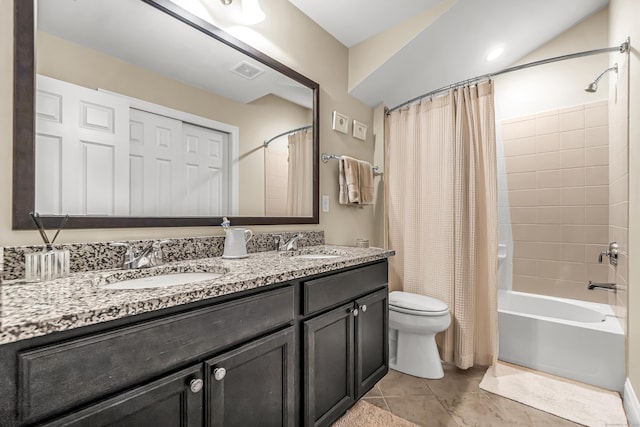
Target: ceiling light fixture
<point x="226" y="2"/>
<point x="251" y="12"/>
<point x="494" y="53"/>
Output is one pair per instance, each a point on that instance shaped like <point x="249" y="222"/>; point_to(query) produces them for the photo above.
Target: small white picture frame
<point x="359" y="130"/>
<point x="340" y="122"/>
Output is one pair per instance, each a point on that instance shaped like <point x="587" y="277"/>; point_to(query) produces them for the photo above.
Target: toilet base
<point x="415" y="355"/>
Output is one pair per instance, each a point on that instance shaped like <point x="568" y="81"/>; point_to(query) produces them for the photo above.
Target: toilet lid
<point x="414" y="302"/>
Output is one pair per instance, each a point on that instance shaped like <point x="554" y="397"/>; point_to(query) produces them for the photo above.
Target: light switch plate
<point x="340" y="122"/>
<point x="325" y="203"/>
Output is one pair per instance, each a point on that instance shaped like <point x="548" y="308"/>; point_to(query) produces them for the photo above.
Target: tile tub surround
<point x="30" y="310"/>
<point x="102" y="256"/>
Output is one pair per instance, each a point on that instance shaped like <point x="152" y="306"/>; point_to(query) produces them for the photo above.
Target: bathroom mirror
<point x="134" y="82"/>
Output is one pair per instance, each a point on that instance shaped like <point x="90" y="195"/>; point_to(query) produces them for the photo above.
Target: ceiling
<point x="142" y="35"/>
<point x="453" y="47"/>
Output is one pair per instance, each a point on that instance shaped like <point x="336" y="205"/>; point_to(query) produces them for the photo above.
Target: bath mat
<point x="574" y="401"/>
<point x="364" y="414"/>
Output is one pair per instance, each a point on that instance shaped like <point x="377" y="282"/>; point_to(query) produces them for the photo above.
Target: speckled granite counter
<point x="30" y="310"/>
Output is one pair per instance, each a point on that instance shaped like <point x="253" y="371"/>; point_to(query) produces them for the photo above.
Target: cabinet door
<point x="254" y="385"/>
<point x="328" y="365"/>
<point x="173" y="401"/>
<point x="372" y="340"/>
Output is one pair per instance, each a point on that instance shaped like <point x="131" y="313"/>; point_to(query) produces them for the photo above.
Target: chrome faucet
<point x="287" y="245"/>
<point x="150" y="256"/>
<point x="607" y="286"/>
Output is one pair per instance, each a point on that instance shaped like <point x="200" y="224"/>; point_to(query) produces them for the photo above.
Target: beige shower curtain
<point x="442" y="214"/>
<point x="300" y="177"/>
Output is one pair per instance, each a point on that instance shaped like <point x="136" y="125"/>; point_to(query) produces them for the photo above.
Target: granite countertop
<point x="33" y="309"/>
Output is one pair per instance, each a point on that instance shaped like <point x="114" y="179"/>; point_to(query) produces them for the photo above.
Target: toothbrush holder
<point x="46" y="265"/>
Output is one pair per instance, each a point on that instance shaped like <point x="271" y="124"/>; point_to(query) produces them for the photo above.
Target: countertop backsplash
<point x="98" y="256"/>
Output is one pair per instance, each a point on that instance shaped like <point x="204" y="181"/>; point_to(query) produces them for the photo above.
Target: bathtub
<point x="573" y="339"/>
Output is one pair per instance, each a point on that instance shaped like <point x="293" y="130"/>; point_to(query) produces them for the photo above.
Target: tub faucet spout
<point x="607" y="286"/>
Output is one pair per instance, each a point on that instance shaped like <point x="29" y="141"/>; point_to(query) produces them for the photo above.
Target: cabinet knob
<point x="354" y="311"/>
<point x="196" y="385"/>
<point x="219" y="374"/>
<point x="363" y="308"/>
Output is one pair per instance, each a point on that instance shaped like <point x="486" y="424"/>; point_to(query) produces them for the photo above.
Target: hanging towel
<point x="356" y="181"/>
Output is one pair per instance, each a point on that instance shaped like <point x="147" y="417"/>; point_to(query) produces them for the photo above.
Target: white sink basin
<point x="162" y="280"/>
<point x="317" y="256"/>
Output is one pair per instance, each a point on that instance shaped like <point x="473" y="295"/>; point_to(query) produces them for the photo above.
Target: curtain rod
<point x="624" y="47"/>
<point x="265" y="144"/>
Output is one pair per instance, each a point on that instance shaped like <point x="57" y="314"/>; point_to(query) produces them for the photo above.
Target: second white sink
<point x="162" y="281"/>
<point x="317" y="256"/>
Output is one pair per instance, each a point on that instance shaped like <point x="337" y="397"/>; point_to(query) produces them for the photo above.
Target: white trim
<point x="233" y="131"/>
<point x="631" y="404"/>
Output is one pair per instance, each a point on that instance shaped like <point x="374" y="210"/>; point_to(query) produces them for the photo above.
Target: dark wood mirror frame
<point x="24" y="130"/>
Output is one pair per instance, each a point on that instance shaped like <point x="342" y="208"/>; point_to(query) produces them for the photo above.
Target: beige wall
<point x="557" y="176"/>
<point x="623" y="22"/>
<point x="559" y="84"/>
<point x="301" y="45"/>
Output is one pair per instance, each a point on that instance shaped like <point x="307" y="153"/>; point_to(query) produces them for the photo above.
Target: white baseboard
<point x="631" y="404"/>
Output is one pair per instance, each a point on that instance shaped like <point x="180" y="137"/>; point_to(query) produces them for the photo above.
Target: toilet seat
<point x="417" y="305"/>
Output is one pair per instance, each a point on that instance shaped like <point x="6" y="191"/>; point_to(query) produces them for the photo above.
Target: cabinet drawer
<point x="328" y="291"/>
<point x="61" y="376"/>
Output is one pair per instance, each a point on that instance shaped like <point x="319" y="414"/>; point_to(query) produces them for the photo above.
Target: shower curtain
<point x="442" y="214"/>
<point x="300" y="176"/>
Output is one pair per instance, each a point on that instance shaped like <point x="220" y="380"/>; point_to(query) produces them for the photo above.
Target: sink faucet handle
<point x="278" y="239"/>
<point x="129" y="255"/>
<point x="157" y="254"/>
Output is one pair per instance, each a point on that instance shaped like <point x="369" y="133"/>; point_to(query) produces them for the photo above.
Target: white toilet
<point x="414" y="321"/>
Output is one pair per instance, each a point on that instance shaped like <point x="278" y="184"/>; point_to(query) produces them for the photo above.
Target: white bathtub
<point x="573" y="339"/>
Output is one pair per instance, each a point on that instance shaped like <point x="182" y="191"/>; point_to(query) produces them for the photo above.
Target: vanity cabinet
<point x="172" y="401"/>
<point x="293" y="354"/>
<point x="345" y="348"/>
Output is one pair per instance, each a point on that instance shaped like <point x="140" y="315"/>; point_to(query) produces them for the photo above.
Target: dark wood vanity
<point x="295" y="353"/>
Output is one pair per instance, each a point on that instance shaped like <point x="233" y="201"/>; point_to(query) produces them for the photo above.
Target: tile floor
<point x="456" y="400"/>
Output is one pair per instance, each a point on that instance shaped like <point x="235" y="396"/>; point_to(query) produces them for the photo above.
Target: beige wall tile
<point x="592" y="252"/>
<point x="523" y="198"/>
<point x="524" y="267"/>
<point x="579" y="107"/>
<point x="519" y="129"/>
<point x="573" y="139"/>
<point x="597" y="215"/>
<point x="596" y="116"/>
<point x="597" y="175"/>
<point x="573" y="215"/>
<point x="548" y="179"/>
<point x="574" y="177"/>
<point x="572" y="196"/>
<point x="572" y="158"/>
<point x="573" y="252"/>
<point x="596" y="136"/>
<point x="523" y="215"/>
<point x="519" y="147"/>
<point x="598" y="234"/>
<point x="597" y="156"/>
<point x="549" y="215"/>
<point x="533" y="285"/>
<point x="597" y="273"/>
<point x="521" y="164"/>
<point x="598" y="195"/>
<point x="533" y="250"/>
<point x="547" y="161"/>
<point x="546" y="143"/>
<point x="522" y="180"/>
<point x="547" y="123"/>
<point x="574" y="234"/>
<point x="547" y="197"/>
<point x="562" y="270"/>
<point x="572" y="120"/>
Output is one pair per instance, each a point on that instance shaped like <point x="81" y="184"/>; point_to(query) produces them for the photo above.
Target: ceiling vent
<point x="246" y="70"/>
